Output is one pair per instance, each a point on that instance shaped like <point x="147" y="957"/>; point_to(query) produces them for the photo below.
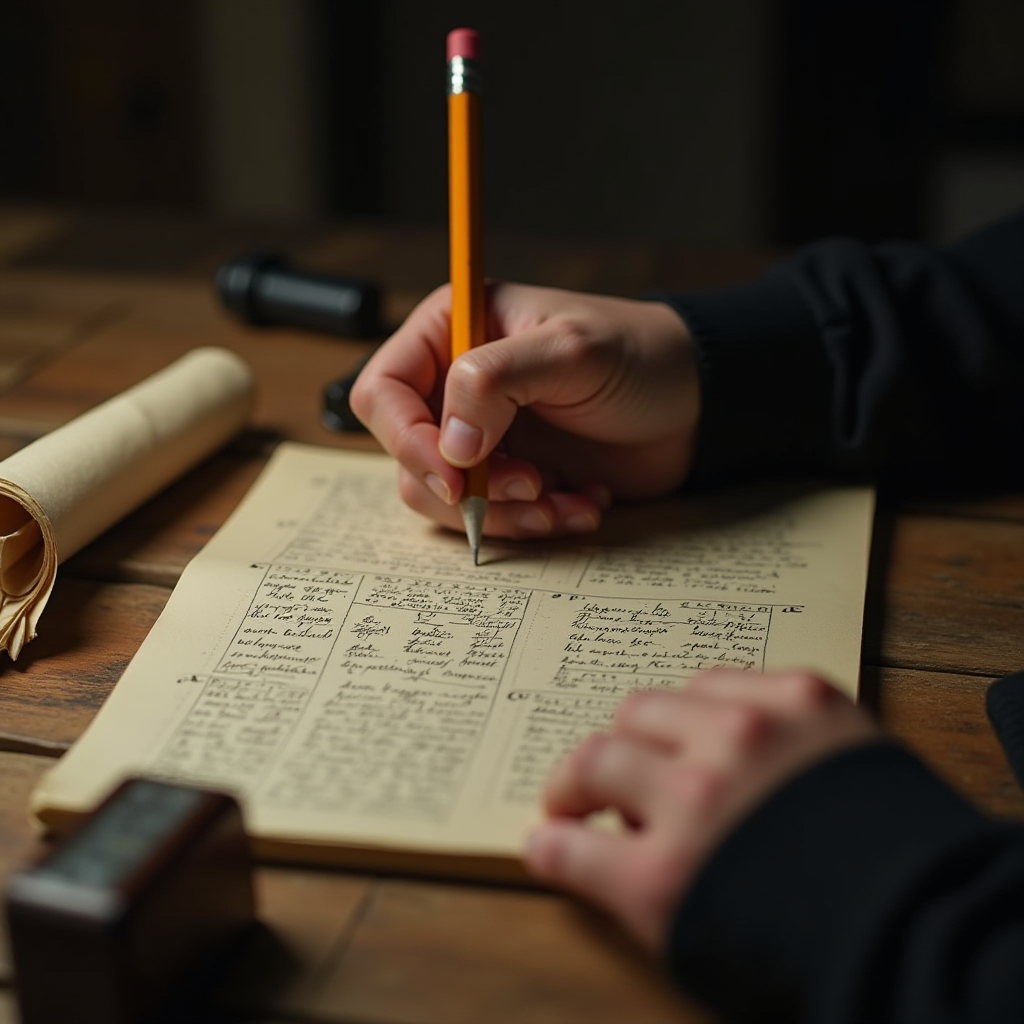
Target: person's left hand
<point x="682" y="768"/>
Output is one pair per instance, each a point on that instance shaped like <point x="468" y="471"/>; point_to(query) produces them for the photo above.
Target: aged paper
<point x="339" y="663"/>
<point x="65" y="489"/>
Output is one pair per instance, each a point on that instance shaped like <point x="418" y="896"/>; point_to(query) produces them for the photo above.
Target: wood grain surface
<point x="953" y="596"/>
<point x="445" y="954"/>
<point x="87" y="635"/>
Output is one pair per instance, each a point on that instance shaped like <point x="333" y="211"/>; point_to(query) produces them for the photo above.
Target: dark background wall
<point x="732" y="123"/>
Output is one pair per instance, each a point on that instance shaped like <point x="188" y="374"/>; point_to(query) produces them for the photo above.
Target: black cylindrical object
<point x="263" y="289"/>
<point x="337" y="413"/>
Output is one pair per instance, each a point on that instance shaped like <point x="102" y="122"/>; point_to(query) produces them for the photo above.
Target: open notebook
<point x="375" y="700"/>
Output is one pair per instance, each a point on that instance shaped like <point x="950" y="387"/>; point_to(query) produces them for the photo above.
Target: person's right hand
<point x="577" y="400"/>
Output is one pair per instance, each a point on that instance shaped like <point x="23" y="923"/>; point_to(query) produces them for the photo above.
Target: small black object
<point x="131" y="907"/>
<point x="337" y="414"/>
<point x="263" y="289"/>
<point x="1004" y="703"/>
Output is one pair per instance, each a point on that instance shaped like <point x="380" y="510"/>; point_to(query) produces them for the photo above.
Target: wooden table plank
<point x="87" y="635"/>
<point x="309" y="916"/>
<point x="292" y="367"/>
<point x="24" y="228"/>
<point x="953" y="597"/>
<point x="137" y="242"/>
<point x="941" y="717"/>
<point x="1006" y="507"/>
<point x="444" y="954"/>
<point x="35" y="324"/>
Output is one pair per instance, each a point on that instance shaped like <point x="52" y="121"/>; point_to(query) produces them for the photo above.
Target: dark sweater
<point x="896" y="361"/>
<point x="864" y="890"/>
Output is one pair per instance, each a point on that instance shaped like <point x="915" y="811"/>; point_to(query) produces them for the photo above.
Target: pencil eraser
<point x="464" y="42"/>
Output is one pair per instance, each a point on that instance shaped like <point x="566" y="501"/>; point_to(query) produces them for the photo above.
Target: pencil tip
<point x="473" y="511"/>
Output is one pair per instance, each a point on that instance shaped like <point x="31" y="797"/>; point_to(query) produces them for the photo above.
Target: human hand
<point x="682" y="768"/>
<point x="587" y="398"/>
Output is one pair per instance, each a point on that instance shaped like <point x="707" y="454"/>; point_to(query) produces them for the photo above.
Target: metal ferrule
<point x="463" y="76"/>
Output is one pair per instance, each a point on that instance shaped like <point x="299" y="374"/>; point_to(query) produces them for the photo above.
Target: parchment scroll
<point x="65" y="489"/>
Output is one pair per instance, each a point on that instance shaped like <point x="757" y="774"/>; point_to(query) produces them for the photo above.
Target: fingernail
<point x="534" y="521"/>
<point x="521" y="489"/>
<point x="460" y="443"/>
<point x="439" y="487"/>
<point x="583" y="523"/>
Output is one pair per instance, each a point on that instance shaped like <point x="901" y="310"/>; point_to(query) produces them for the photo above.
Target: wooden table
<point x="945" y="616"/>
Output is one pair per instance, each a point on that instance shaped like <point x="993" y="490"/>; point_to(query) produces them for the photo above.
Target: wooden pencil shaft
<point x="466" y="241"/>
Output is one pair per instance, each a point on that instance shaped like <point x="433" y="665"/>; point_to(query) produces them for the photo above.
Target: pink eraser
<point x="464" y="42"/>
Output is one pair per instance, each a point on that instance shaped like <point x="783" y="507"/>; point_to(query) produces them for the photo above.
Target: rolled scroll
<point x="65" y="489"/>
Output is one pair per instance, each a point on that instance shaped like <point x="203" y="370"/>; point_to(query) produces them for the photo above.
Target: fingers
<point x="599" y="866"/>
<point x="637" y="876"/>
<point x="549" y="515"/>
<point x="724" y="719"/>
<point x="555" y="367"/>
<point x="394" y="393"/>
<point x="605" y="771"/>
<point x="737" y="705"/>
<point x="545" y="359"/>
<point x="702" y="727"/>
<point x="781" y="691"/>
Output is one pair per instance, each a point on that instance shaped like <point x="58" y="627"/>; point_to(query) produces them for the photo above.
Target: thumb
<point x="594" y="864"/>
<point x="554" y="366"/>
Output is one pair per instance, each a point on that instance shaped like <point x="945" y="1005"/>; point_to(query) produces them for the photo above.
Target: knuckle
<point x="807" y="692"/>
<point x="403" y="444"/>
<point x="708" y="680"/>
<point x="745" y="725"/>
<point x="573" y="340"/>
<point x="609" y="757"/>
<point x="437" y="302"/>
<point x="471" y="376"/>
<point x="697" y="787"/>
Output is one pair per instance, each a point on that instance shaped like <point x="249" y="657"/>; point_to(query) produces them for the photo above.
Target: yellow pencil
<point x="466" y="238"/>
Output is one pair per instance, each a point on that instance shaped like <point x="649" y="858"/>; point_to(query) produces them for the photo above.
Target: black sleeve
<point x="865" y="890"/>
<point x="897" y="361"/>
